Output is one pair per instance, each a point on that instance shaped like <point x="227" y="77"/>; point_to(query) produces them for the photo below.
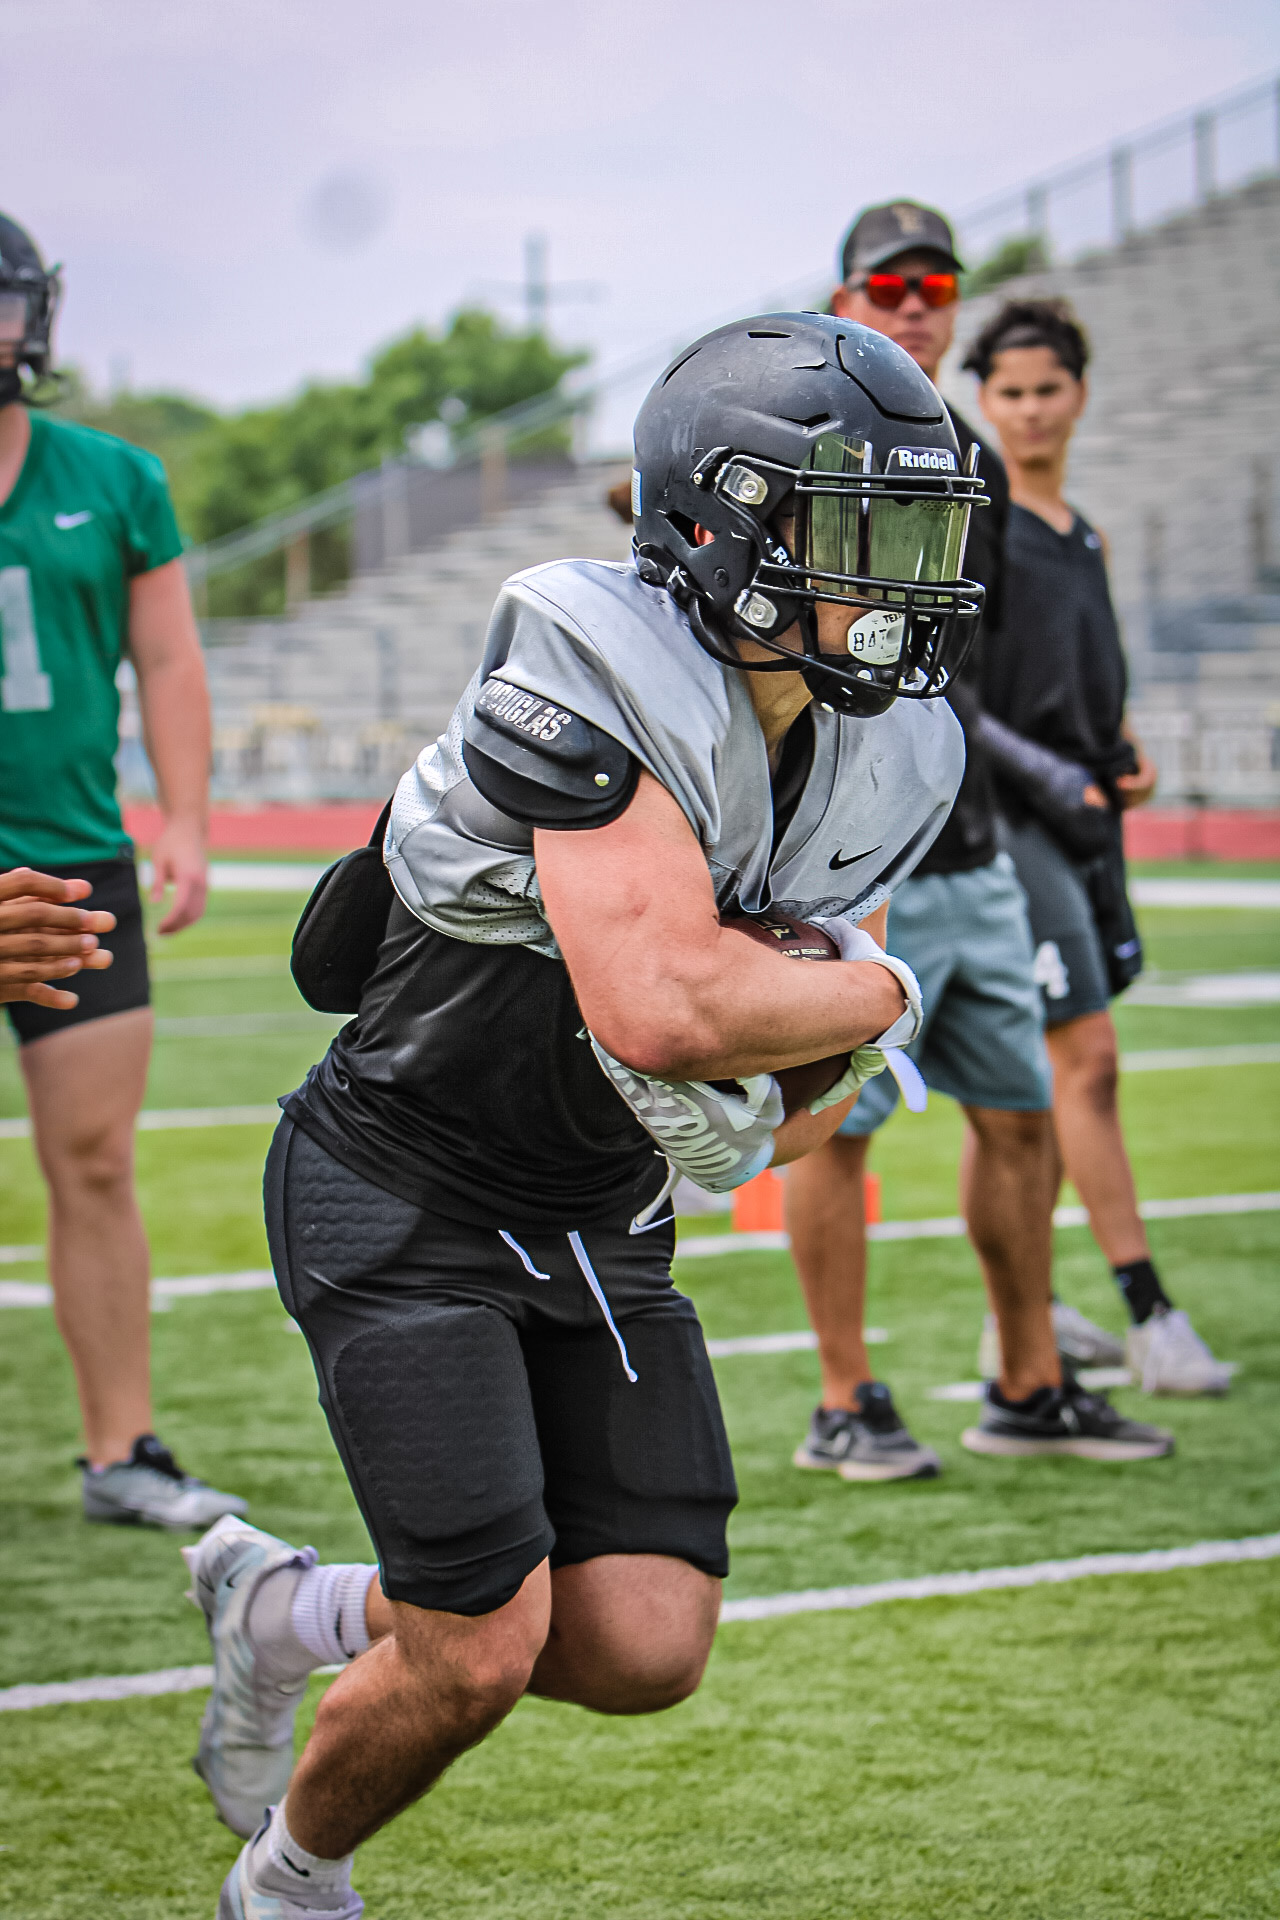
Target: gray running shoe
<point x="1063" y="1420"/>
<point x="245" y="1755"/>
<point x="1167" y="1355"/>
<point x="866" y="1442"/>
<point x="1078" y="1340"/>
<point x="149" y="1489"/>
<point x="242" y="1900"/>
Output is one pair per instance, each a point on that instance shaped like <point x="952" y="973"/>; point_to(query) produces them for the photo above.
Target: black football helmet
<point x="29" y="295"/>
<point x="823" y="462"/>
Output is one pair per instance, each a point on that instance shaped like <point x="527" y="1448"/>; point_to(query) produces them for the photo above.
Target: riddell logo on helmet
<point x="924" y="459"/>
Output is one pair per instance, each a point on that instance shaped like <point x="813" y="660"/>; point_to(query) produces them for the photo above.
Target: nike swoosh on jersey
<point x="836" y="862"/>
<point x="65" y="521"/>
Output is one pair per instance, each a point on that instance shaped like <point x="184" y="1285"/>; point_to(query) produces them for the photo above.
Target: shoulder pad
<point x="539" y="763"/>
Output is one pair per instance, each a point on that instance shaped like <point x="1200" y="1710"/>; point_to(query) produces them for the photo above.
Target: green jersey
<point x="88" y="512"/>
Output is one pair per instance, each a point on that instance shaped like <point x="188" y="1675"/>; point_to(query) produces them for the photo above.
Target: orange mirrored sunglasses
<point x="889" y="290"/>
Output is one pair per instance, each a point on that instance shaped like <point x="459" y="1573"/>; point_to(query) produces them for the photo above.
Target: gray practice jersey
<point x="466" y="1084"/>
<point x="592" y="637"/>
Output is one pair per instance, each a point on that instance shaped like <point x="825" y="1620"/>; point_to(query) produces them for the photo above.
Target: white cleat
<point x="1167" y="1355"/>
<point x="240" y="1899"/>
<point x="245" y="1755"/>
<point x="1081" y="1341"/>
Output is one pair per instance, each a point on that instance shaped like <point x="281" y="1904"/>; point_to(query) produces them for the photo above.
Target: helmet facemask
<point x="886" y="547"/>
<point x="29" y="297"/>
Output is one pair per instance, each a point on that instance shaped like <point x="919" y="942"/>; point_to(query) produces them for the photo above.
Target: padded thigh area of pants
<point x="660" y="1437"/>
<point x="436" y="1407"/>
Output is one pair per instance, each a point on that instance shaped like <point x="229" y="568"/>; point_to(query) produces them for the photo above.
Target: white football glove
<point x="721" y="1140"/>
<point x="856" y="944"/>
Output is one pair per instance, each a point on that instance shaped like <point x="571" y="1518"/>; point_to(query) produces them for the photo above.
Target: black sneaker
<point x="867" y="1441"/>
<point x="1063" y="1419"/>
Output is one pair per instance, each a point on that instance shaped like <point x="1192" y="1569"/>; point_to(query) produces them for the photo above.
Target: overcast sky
<point x="249" y="192"/>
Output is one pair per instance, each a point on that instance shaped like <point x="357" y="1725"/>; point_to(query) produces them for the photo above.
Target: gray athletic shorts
<point x="965" y="936"/>
<point x="1070" y="965"/>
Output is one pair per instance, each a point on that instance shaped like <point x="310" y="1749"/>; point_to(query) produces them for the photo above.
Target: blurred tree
<point x="229" y="470"/>
<point x="170" y="425"/>
<point x="1025" y="254"/>
<point x="271" y="457"/>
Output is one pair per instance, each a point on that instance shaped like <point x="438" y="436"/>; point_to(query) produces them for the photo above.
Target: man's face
<point x="1033" y="402"/>
<point x="923" y="332"/>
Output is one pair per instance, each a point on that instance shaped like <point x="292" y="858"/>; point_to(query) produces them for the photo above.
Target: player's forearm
<point x="725" y="1008"/>
<point x="177" y="732"/>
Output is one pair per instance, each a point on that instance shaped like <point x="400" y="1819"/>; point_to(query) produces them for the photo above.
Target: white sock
<point x="279" y="1865"/>
<point x="327" y="1612"/>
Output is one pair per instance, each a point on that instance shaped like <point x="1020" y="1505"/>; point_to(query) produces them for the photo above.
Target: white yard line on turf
<point x="164" y="1119"/>
<point x="802" y="1342"/>
<point x="711" y="1245"/>
<point x="1040" y="1573"/>
<point x="769" y="1606"/>
<point x="221" y="1026"/>
<point x="295" y="876"/>
<point x="253" y="876"/>
<point x="1205" y="893"/>
<point x="33" y="1293"/>
<point x="1174" y="1059"/>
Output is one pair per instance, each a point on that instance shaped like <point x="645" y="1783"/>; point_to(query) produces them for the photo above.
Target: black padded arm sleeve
<point x="543" y="765"/>
<point x="1052" y="786"/>
<point x="1036" y="771"/>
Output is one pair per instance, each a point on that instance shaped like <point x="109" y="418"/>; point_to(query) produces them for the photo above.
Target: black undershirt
<point x="1056" y="670"/>
<point x="968" y="838"/>
<point x="466" y="1086"/>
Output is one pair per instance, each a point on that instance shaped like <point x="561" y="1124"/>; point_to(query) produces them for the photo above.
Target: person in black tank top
<point x="960" y="922"/>
<point x="1055" y="685"/>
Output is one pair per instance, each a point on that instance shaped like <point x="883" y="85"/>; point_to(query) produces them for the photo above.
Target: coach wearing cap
<point x="961" y="923"/>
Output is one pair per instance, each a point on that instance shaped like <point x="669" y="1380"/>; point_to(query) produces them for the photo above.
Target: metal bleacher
<point x="1168" y="246"/>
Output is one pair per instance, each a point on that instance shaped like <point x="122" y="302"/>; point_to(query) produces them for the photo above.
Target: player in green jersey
<point x="90" y="574"/>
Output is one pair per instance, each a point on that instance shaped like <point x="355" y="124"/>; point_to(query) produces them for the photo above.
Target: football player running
<point x="89" y="573"/>
<point x="467" y="1200"/>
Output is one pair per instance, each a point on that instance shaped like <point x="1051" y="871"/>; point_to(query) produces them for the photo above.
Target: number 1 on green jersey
<point x="26" y="687"/>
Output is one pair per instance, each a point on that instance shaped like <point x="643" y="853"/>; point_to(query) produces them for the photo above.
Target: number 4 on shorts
<point x="26" y="687"/>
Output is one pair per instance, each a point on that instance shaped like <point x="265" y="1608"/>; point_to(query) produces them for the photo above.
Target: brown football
<point x="798" y="941"/>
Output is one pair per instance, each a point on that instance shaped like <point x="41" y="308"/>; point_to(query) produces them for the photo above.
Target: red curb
<point x="282" y="829"/>
<point x="1164" y="833"/>
<point x="1210" y="833"/>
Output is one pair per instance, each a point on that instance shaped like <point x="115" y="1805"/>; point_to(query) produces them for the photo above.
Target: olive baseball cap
<point x="901" y="226"/>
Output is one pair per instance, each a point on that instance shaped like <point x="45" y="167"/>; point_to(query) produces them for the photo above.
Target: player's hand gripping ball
<point x="798" y="940"/>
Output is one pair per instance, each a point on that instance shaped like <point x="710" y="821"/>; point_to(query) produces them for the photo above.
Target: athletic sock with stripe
<point x="277" y="1864"/>
<point x="304" y="1618"/>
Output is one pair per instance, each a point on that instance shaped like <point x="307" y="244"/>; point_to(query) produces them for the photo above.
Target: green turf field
<point x="1102" y="1749"/>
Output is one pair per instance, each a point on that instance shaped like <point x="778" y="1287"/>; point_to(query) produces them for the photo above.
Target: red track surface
<point x="324" y="829"/>
<point x="1156" y="833"/>
<point x="1188" y="833"/>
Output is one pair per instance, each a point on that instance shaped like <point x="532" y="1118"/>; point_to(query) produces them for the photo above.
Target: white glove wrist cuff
<point x="855" y="943"/>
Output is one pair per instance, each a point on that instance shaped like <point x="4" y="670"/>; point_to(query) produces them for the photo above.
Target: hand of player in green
<point x="44" y="938"/>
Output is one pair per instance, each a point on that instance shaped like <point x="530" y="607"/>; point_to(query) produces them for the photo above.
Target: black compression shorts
<point x="122" y="986"/>
<point x="478" y="1391"/>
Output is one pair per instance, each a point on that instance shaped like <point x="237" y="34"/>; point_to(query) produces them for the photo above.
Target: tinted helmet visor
<point x="892" y="543"/>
